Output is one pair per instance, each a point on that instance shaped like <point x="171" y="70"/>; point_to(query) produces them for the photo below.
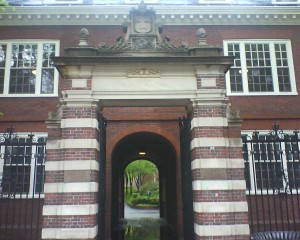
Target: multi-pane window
<point x="22" y="166"/>
<point x="271" y="164"/>
<point x="26" y="68"/>
<point x="260" y="67"/>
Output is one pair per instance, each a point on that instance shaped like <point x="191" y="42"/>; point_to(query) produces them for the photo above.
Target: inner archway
<point x="162" y="153"/>
<point x="141" y="189"/>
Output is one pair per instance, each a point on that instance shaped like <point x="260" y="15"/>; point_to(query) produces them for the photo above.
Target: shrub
<point x="144" y="200"/>
<point x="152" y="187"/>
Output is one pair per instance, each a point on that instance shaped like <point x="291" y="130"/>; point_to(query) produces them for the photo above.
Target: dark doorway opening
<point x="159" y="151"/>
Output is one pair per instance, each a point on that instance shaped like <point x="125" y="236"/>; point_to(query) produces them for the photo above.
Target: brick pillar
<point x="72" y="169"/>
<point x="219" y="187"/>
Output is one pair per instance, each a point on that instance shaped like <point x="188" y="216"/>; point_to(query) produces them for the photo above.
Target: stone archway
<point x="160" y="151"/>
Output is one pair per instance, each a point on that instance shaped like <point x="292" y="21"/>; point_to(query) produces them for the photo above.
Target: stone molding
<point x="177" y="15"/>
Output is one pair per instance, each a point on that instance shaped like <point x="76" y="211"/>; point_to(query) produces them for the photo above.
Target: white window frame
<point x="37" y="93"/>
<point x="285" y="2"/>
<point x="214" y="1"/>
<point x="30" y="194"/>
<point x="253" y="188"/>
<point x="63" y="2"/>
<point x="271" y="43"/>
<point x="138" y="2"/>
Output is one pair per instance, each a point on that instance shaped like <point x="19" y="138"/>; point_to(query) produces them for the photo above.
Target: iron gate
<point x="186" y="174"/>
<point x="272" y="172"/>
<point x="22" y="160"/>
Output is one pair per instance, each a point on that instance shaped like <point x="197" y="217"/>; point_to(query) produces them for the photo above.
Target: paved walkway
<point x="132" y="213"/>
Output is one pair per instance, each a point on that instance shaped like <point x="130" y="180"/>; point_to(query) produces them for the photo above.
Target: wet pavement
<point x="132" y="213"/>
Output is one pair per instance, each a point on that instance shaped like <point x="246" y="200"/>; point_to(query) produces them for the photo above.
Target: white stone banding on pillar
<point x="79" y="123"/>
<point x="219" y="185"/>
<point x="75" y="187"/>
<point x="218" y="163"/>
<point x="69" y="233"/>
<point x="72" y="165"/>
<point x="215" y="142"/>
<point x="65" y="210"/>
<point x="219" y="200"/>
<point x="209" y="122"/>
<point x="73" y="143"/>
<point x="222" y="230"/>
<point x="220" y="207"/>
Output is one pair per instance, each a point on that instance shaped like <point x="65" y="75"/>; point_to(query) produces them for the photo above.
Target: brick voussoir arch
<point x="151" y="129"/>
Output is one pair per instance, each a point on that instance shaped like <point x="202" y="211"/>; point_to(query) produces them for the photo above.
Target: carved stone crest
<point x="142" y="23"/>
<point x="143" y="73"/>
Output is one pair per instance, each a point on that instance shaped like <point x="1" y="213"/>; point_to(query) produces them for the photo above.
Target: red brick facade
<point x="220" y="209"/>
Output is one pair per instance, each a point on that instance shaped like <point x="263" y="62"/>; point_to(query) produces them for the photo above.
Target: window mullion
<point x="39" y="61"/>
<point x="7" y="68"/>
<point x="56" y="74"/>
<point x="244" y="68"/>
<point x="291" y="66"/>
<point x="274" y="67"/>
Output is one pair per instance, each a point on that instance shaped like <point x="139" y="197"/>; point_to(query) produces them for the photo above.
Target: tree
<point x="136" y="171"/>
<point x="4" y="5"/>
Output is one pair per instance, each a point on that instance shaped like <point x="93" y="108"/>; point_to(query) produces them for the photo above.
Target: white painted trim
<point x="209" y="122"/>
<point x="221" y="230"/>
<point x="218" y="163"/>
<point x="65" y="210"/>
<point x="79" y="123"/>
<point x="184" y="14"/>
<point x="216" y="142"/>
<point x="71" y="187"/>
<point x="220" y="207"/>
<point x="73" y="143"/>
<point x="72" y="165"/>
<point x="69" y="233"/>
<point x="203" y="185"/>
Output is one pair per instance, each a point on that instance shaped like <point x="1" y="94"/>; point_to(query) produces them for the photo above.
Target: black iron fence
<point x="272" y="172"/>
<point x="22" y="160"/>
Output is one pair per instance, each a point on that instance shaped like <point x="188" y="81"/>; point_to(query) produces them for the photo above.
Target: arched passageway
<point x="159" y="151"/>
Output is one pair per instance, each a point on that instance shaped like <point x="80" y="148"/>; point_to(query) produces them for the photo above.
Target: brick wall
<point x="259" y="107"/>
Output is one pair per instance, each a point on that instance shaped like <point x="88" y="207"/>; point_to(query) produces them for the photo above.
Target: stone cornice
<point x="167" y="15"/>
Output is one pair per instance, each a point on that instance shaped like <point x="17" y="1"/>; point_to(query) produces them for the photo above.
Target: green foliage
<point x="134" y="195"/>
<point x="4" y="6"/>
<point x="143" y="167"/>
<point x="136" y="171"/>
<point x="1" y="114"/>
<point x="150" y="187"/>
<point x="138" y="200"/>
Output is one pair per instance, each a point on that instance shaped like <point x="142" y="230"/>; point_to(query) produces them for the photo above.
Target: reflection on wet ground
<point x="133" y="213"/>
<point x="144" y="224"/>
<point x="145" y="229"/>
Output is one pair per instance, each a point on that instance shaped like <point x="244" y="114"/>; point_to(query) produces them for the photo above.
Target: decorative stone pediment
<point x="143" y="73"/>
<point x="142" y="32"/>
